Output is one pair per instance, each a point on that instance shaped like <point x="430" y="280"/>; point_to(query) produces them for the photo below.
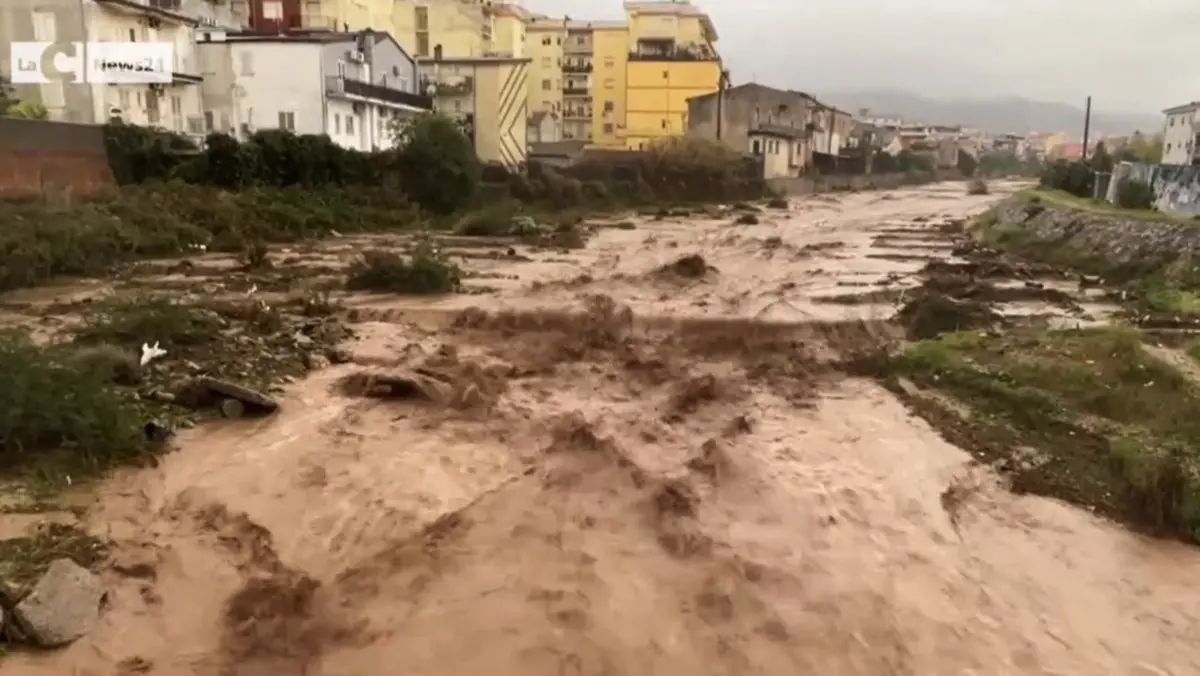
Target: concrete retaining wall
<point x="805" y="185"/>
<point x="1109" y="236"/>
<point x="38" y="157"/>
<point x="1176" y="189"/>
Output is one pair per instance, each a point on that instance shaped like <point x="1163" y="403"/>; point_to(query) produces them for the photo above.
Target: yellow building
<point x="544" y="47"/>
<point x="672" y="57"/>
<point x="489" y="96"/>
<point x="610" y="57"/>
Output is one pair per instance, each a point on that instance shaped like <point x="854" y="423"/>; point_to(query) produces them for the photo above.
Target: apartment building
<point x="672" y="57"/>
<point x="776" y="124"/>
<point x="354" y="87"/>
<point x="1181" y="134"/>
<point x="544" y="45"/>
<point x="489" y="97"/>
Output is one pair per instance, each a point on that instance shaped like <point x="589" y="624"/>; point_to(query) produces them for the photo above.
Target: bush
<point x="137" y="154"/>
<point x="428" y="270"/>
<point x="977" y="186"/>
<point x="132" y="322"/>
<point x="43" y="240"/>
<point x="1134" y="194"/>
<point x="48" y="404"/>
<point x="1075" y="177"/>
<point x="437" y="163"/>
<point x="688" y="169"/>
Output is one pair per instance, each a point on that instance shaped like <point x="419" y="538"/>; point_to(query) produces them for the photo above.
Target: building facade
<point x="489" y="97"/>
<point x="740" y="114"/>
<point x="354" y="87"/>
<point x="672" y="57"/>
<point x="1180" y="130"/>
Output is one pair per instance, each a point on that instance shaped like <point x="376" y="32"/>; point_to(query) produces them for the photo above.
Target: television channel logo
<point x="92" y="62"/>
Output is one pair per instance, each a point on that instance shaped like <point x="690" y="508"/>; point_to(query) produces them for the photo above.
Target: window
<point x="421" y="16"/>
<point x="609" y="106"/>
<point x="273" y="9"/>
<point x="664" y="124"/>
<point x="546" y="42"/>
<point x="123" y="97"/>
<point x="208" y="120"/>
<point x="349" y="124"/>
<point x="176" y="106"/>
<point x="337" y="123"/>
<point x="457" y="105"/>
<point x="608" y="128"/>
<point x="558" y="41"/>
<point x="1168" y="147"/>
<point x="132" y="35"/>
<point x="756" y="147"/>
<point x="1170" y="122"/>
<point x="609" y="62"/>
<point x="422" y="44"/>
<point x="546" y="85"/>
<point x="341" y="66"/>
<point x="287" y="121"/>
<point x="395" y="71"/>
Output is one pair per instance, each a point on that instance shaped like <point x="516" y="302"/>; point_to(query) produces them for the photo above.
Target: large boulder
<point x="64" y="605"/>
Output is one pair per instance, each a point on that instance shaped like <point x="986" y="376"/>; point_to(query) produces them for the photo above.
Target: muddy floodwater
<point x="653" y="485"/>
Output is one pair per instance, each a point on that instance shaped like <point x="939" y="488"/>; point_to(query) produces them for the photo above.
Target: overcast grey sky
<point x="1135" y="56"/>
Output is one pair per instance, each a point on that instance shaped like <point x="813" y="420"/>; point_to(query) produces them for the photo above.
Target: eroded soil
<point x="644" y="456"/>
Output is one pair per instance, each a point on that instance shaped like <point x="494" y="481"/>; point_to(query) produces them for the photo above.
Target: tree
<point x="11" y="106"/>
<point x="967" y="163"/>
<point x="1101" y="160"/>
<point x="1143" y="148"/>
<point x="437" y="163"/>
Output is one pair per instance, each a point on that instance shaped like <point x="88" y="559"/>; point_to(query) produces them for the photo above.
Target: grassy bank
<point x="1087" y="416"/>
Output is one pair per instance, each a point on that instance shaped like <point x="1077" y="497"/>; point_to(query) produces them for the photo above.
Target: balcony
<point x="349" y="87"/>
<point x="569" y="67"/>
<point x="577" y="114"/>
<point x="456" y="86"/>
<point x="653" y="50"/>
<point x="577" y="45"/>
<point x="575" y="89"/>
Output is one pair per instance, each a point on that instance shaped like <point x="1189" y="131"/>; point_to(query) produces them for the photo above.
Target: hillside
<point x="998" y="115"/>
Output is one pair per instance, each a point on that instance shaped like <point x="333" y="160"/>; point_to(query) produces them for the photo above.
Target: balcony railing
<point x="577" y="114"/>
<point x="460" y="86"/>
<point x="569" y="67"/>
<point x="349" y="86"/>
<point x="575" y="90"/>
<point x="573" y="46"/>
<point x="678" y="53"/>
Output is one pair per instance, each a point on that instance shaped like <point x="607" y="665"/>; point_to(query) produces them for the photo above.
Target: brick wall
<point x="38" y="157"/>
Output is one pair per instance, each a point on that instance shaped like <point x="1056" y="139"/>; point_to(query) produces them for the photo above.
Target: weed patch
<point x="148" y="319"/>
<point x="56" y="407"/>
<point x="1118" y="427"/>
<point x="427" y="270"/>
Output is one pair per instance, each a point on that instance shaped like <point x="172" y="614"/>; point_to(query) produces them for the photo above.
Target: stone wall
<point x="1111" y="236"/>
<point x="806" y="185"/>
<point x="39" y="157"/>
<point x="1176" y="189"/>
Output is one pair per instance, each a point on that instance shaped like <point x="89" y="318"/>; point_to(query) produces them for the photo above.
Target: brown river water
<point x="587" y="523"/>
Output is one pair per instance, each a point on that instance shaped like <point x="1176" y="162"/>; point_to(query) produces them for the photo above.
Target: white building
<point x="351" y="86"/>
<point x="1179" y="134"/>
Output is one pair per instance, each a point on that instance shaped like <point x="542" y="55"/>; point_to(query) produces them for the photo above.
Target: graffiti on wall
<point x="1176" y="188"/>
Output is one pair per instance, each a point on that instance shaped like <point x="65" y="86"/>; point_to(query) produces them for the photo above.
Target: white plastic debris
<point x="253" y="289"/>
<point x="151" y="352"/>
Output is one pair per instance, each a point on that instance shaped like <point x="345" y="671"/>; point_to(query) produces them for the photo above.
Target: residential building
<point x="489" y="96"/>
<point x="542" y="128"/>
<point x="1181" y="134"/>
<point x="355" y="87"/>
<point x="544" y="45"/>
<point x="172" y="105"/>
<point x="48" y="21"/>
<point x="509" y="32"/>
<point x="609" y="84"/>
<point x="577" y="80"/>
<point x="782" y="149"/>
<point x="739" y="116"/>
<point x="672" y="58"/>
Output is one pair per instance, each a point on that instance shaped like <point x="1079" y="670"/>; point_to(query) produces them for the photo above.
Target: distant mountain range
<point x="997" y="115"/>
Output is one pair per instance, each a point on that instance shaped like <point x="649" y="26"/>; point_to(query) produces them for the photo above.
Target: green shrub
<point x="49" y="404"/>
<point x="428" y="270"/>
<point x="1074" y="177"/>
<point x="134" y="321"/>
<point x="1134" y="194"/>
<point x="437" y="164"/>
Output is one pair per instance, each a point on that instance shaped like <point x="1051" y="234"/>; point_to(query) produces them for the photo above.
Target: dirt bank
<point x="621" y="464"/>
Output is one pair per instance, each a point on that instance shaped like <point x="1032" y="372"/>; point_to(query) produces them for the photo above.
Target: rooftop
<point x="1182" y="108"/>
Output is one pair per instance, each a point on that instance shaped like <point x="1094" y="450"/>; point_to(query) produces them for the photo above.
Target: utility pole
<point x="722" y="80"/>
<point x="1087" y="127"/>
